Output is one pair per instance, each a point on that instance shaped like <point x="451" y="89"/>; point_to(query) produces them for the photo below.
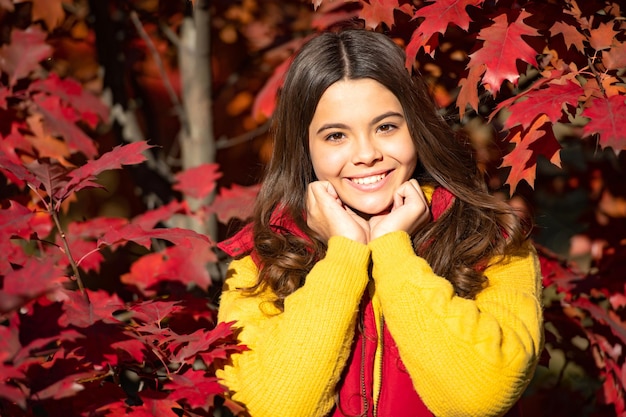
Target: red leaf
<point x="236" y="202"/>
<point x="4" y="94"/>
<point x="154" y="311"/>
<point x="16" y="172"/>
<point x="201" y="340"/>
<point x="381" y="11"/>
<point x="60" y="119"/>
<point x="194" y="388"/>
<point x="10" y="392"/>
<point x="437" y="16"/>
<point x="198" y="182"/>
<point x="600" y="314"/>
<point x="72" y="93"/>
<point x="149" y="408"/>
<point x="502" y="48"/>
<point x="548" y="101"/>
<point x="9" y="346"/>
<point x="80" y="313"/>
<point x="134" y="233"/>
<point x="85" y="175"/>
<point x="15" y="61"/>
<point x="175" y="263"/>
<point x="608" y="118"/>
<point x="151" y="218"/>
<point x="265" y="100"/>
<point x="15" y="221"/>
<point x="35" y="278"/>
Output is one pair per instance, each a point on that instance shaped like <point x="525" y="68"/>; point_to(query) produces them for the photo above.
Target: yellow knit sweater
<point x="465" y="357"/>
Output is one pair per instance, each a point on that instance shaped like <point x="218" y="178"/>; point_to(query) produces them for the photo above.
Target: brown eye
<point x="335" y="136"/>
<point x="387" y="127"/>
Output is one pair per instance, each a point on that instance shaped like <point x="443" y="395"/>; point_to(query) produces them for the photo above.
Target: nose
<point x="366" y="151"/>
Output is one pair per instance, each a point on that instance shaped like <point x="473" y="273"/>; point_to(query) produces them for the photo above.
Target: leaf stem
<point x="68" y="253"/>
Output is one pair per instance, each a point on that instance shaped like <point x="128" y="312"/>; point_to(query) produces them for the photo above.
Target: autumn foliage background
<point x="133" y="134"/>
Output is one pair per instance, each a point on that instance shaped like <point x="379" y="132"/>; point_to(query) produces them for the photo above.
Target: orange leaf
<point x="502" y="48"/>
<point x="615" y="58"/>
<point x="602" y="37"/>
<point x="537" y="140"/>
<point x="469" y="89"/>
<point x="50" y="11"/>
<point x="571" y="35"/>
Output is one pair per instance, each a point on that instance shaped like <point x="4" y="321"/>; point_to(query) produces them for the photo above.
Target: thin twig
<point x="228" y="142"/>
<point x="178" y="108"/>
<point x="68" y="253"/>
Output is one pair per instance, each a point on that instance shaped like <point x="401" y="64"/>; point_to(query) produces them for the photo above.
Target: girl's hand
<point x="327" y="215"/>
<point x="408" y="212"/>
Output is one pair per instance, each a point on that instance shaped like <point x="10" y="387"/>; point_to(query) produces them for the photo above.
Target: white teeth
<point x="369" y="180"/>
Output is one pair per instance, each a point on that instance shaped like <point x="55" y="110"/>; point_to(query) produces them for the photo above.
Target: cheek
<point x="327" y="164"/>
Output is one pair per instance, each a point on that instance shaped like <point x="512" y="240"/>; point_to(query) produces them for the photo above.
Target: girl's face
<point x="360" y="143"/>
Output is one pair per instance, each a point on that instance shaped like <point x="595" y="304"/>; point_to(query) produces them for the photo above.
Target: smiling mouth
<point x="369" y="180"/>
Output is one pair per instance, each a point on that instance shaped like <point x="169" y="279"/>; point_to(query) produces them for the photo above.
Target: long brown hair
<point x="475" y="229"/>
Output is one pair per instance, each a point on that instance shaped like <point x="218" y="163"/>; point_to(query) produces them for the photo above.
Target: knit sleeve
<point x="465" y="357"/>
<point x="295" y="357"/>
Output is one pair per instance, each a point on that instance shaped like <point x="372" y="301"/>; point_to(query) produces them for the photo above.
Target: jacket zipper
<point x="363" y="387"/>
<point x="382" y="351"/>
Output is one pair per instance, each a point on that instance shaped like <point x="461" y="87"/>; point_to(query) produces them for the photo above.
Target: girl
<point x="378" y="276"/>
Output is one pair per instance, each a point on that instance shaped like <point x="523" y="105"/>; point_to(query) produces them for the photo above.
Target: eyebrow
<point x="374" y="121"/>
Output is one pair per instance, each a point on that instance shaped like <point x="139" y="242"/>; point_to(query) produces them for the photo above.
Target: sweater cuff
<point x="391" y="247"/>
<point x="345" y="265"/>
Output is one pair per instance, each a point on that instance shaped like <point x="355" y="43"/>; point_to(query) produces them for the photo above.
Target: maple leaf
<point x="607" y="119"/>
<point x="152" y="311"/>
<point x="151" y="218"/>
<point x="522" y="159"/>
<point x="322" y="21"/>
<point x="60" y="119"/>
<point x="236" y="202"/>
<point x="16" y="172"/>
<point x="549" y="101"/>
<point x="33" y="279"/>
<point x="602" y="37"/>
<point x="381" y="11"/>
<point x="182" y="264"/>
<point x="195" y="388"/>
<point x="15" y="221"/>
<point x="23" y="54"/>
<point x="437" y="16"/>
<point x="149" y="408"/>
<point x="199" y="181"/>
<point x="265" y="100"/>
<point x="50" y="11"/>
<point x="468" y="92"/>
<point x="570" y="33"/>
<point x="615" y="58"/>
<point x="84" y="175"/>
<point x="82" y="313"/>
<point x="71" y="92"/>
<point x="201" y="340"/>
<point x="4" y="94"/>
<point x="502" y="48"/>
<point x="9" y="344"/>
<point x="132" y="232"/>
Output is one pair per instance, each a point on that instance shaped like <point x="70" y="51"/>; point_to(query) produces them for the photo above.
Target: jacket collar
<point x="242" y="243"/>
